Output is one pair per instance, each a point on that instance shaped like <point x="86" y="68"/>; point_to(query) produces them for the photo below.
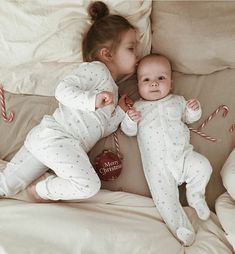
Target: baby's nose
<point x="155" y="83"/>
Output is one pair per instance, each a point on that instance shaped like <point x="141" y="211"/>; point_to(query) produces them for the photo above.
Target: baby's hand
<point x="103" y="99"/>
<point x="134" y="115"/>
<point x="193" y="104"/>
<point x="125" y="102"/>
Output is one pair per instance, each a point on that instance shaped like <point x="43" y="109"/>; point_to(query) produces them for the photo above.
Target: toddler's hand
<point x="193" y="104"/>
<point x="125" y="102"/>
<point x="134" y="115"/>
<point x="103" y="99"/>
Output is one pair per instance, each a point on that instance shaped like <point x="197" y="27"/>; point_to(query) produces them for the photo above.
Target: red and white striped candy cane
<point x="232" y="128"/>
<point x="200" y="133"/>
<point x="3" y="107"/>
<point x="117" y="145"/>
<point x="198" y="130"/>
<point x="222" y="107"/>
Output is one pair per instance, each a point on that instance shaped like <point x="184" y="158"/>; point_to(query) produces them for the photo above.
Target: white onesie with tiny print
<point x="61" y="141"/>
<point x="169" y="160"/>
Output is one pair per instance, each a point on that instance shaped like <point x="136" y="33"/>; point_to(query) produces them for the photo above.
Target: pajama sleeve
<point x="189" y="115"/>
<point x="115" y="120"/>
<point x="128" y="126"/>
<point x="79" y="90"/>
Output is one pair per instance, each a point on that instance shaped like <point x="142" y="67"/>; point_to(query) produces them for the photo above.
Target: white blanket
<point x="110" y="222"/>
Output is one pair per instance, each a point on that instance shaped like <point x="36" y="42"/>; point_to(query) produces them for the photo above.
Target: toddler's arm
<point x="118" y="114"/>
<point x="79" y="90"/>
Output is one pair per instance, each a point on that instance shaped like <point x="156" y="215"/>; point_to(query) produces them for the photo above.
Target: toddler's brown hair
<point x="105" y="31"/>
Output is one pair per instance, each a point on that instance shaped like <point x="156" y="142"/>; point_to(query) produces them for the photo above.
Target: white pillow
<point x="40" y="41"/>
<point x="225" y="210"/>
<point x="197" y="36"/>
<point x="228" y="174"/>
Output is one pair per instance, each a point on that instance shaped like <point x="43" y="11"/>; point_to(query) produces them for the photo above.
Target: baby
<point x="158" y="119"/>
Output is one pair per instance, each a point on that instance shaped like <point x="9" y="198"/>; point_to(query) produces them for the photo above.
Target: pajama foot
<point x="31" y="189"/>
<point x="32" y="193"/>
<point x="186" y="236"/>
<point x="2" y="195"/>
<point x="1" y="192"/>
<point x="202" y="209"/>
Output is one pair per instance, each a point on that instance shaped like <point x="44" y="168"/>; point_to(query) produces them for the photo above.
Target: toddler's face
<point x="124" y="58"/>
<point x="154" y="78"/>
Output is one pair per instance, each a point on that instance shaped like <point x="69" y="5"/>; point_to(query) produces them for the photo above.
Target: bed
<point x="40" y="43"/>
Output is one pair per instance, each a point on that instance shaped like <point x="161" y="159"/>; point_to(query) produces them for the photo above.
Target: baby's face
<point x="154" y="78"/>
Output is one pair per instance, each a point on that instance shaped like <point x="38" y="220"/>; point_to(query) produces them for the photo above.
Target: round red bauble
<point x="108" y="165"/>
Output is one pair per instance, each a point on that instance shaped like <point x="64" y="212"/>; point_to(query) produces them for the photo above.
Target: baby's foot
<point x="186" y="236"/>
<point x="202" y="209"/>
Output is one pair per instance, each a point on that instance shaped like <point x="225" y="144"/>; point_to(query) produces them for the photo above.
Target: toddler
<point x="87" y="112"/>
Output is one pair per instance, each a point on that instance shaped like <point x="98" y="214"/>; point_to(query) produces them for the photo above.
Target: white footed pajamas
<point x="61" y="142"/>
<point x="169" y="160"/>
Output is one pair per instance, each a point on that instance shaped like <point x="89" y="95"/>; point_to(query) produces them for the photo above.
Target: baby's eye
<point x="161" y="78"/>
<point x="146" y="79"/>
<point x="131" y="49"/>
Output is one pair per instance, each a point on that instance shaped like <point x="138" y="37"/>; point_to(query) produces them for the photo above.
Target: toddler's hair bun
<point x="98" y="10"/>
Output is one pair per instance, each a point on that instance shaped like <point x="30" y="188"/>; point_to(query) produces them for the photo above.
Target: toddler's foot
<point x="33" y="195"/>
<point x="2" y="195"/>
<point x="186" y="236"/>
<point x="1" y="192"/>
<point x="202" y="209"/>
<point x="31" y="190"/>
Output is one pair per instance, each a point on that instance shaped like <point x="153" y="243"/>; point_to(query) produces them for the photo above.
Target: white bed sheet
<point x="110" y="222"/>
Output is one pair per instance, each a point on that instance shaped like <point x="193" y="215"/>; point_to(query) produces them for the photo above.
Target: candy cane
<point x="197" y="131"/>
<point x="3" y="107"/>
<point x="203" y="135"/>
<point x="222" y="107"/>
<point x="232" y="128"/>
<point x="117" y="144"/>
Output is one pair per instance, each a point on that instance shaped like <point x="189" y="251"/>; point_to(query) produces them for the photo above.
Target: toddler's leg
<point x="23" y="169"/>
<point x="74" y="178"/>
<point x="197" y="174"/>
<point x="165" y="194"/>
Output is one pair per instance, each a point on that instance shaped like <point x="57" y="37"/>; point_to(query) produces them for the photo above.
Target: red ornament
<point x="108" y="165"/>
